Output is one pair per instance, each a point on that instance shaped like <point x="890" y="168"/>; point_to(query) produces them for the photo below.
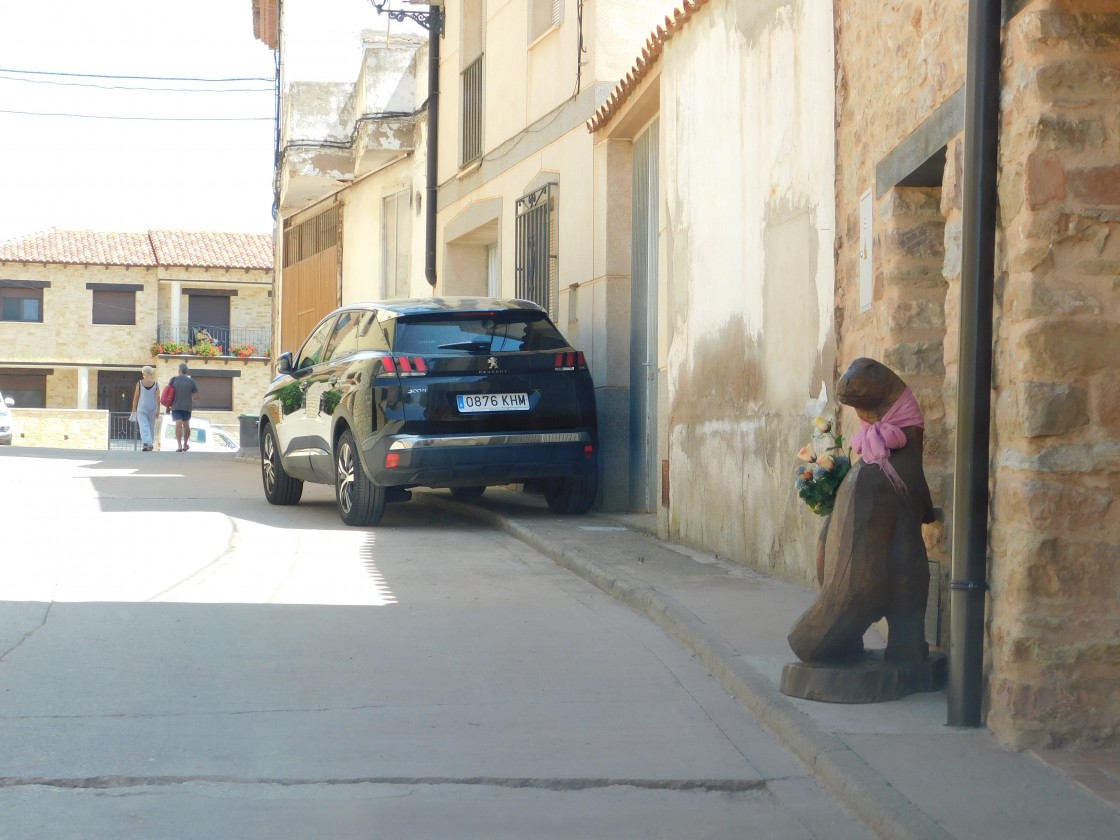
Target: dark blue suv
<point x="462" y="393"/>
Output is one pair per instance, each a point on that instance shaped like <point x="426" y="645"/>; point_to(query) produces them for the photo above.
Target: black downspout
<point x="435" y="31"/>
<point x="968" y="589"/>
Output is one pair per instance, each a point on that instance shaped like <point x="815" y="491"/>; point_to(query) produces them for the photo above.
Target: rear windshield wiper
<point x="473" y="346"/>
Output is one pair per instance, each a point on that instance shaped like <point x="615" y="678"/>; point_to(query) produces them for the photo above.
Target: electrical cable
<point x="146" y="119"/>
<point x="137" y="78"/>
<point x="135" y="87"/>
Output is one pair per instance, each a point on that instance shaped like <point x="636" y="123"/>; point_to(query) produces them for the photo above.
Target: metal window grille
<point x="310" y="236"/>
<point x="536" y="256"/>
<point x="472" y="112"/>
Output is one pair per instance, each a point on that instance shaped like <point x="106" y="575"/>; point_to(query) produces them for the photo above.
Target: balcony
<point x="212" y="341"/>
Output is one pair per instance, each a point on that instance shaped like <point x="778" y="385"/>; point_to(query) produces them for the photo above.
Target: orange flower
<point x="807" y="454"/>
<point x="823" y="426"/>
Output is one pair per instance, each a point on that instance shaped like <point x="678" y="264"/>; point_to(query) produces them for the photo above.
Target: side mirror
<point x="284" y="363"/>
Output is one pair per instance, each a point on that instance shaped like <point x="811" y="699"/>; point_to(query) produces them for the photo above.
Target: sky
<point x="202" y="157"/>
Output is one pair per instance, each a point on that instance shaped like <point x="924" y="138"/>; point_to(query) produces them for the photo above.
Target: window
<point x="472" y="49"/>
<point x="535" y="263"/>
<point x="28" y="389"/>
<point x="543" y="16"/>
<point x="396" y="244"/>
<point x="114" y="307"/>
<point x="471" y="140"/>
<point x="504" y="332"/>
<point x="214" y="392"/>
<point x="344" y="341"/>
<point x="371" y="336"/>
<point x="20" y="301"/>
<point x="312" y="351"/>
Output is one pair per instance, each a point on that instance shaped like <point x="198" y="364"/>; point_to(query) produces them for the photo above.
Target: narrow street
<point x="180" y="659"/>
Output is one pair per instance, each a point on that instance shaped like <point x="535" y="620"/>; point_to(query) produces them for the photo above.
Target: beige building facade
<point x="84" y="311"/>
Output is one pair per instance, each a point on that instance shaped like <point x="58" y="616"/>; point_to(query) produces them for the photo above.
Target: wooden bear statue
<point x="871" y="560"/>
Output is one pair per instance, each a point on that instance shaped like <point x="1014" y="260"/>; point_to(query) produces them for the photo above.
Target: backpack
<point x="167" y="397"/>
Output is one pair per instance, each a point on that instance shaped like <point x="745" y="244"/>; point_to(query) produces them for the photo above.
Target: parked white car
<point x="204" y="437"/>
<point x="7" y="427"/>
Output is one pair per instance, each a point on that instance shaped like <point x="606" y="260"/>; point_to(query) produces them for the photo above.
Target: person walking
<point x="145" y="407"/>
<point x="186" y="394"/>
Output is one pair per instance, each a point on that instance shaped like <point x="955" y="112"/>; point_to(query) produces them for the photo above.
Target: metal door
<point x="643" y="331"/>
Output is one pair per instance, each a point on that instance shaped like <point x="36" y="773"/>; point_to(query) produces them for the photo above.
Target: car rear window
<point x="467" y="333"/>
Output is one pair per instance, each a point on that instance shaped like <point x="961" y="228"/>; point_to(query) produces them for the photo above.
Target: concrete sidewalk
<point x="896" y="765"/>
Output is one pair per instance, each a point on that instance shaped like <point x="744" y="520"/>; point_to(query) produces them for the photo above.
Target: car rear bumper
<point x="481" y="459"/>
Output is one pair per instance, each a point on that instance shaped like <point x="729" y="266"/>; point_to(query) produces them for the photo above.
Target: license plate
<point x="478" y="403"/>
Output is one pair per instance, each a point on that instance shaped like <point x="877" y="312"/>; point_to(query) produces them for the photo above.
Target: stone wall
<point x="57" y="428"/>
<point x="1053" y="634"/>
<point x="67" y="333"/>
<point x="1055" y="570"/>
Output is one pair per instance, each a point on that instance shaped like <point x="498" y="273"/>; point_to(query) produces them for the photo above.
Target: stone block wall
<point x="1055" y="569"/>
<point x="61" y="428"/>
<point x="1053" y="643"/>
<point x="67" y="333"/>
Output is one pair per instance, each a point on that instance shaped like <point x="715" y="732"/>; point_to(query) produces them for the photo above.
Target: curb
<point x="873" y="799"/>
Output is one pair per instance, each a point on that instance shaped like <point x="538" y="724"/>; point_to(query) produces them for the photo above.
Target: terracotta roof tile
<point x="80" y="247"/>
<point x="650" y="53"/>
<point x="209" y="249"/>
<point x="182" y="249"/>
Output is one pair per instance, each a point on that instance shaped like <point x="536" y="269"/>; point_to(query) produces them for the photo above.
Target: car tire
<point x="571" y="496"/>
<point x="279" y="487"/>
<point x="359" y="500"/>
<point x="465" y="494"/>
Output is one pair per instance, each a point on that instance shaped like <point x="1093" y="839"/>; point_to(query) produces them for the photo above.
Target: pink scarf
<point x="875" y="441"/>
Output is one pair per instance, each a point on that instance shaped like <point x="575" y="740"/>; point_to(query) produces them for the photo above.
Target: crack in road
<point x="557" y="784"/>
<point x="29" y="633"/>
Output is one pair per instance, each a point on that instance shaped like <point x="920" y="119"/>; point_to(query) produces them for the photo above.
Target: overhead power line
<point x="141" y="88"/>
<point x="147" y="119"/>
<point x="136" y="78"/>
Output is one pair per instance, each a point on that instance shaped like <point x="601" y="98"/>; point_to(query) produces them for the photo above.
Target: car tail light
<point x="570" y="361"/>
<point x="392" y="460"/>
<point x="405" y="365"/>
<point x="588" y="451"/>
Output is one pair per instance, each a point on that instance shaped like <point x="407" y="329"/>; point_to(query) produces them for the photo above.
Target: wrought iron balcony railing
<point x="212" y="340"/>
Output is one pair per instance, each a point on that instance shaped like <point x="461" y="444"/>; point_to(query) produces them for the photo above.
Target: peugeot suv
<point x="458" y="393"/>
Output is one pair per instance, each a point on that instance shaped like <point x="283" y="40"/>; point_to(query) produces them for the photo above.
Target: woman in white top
<point x="145" y="407"/>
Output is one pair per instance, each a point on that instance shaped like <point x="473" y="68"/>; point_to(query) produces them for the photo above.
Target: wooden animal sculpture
<point x="871" y="560"/>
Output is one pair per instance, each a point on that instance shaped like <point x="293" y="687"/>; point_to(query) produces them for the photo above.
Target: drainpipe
<point x="968" y="589"/>
<point x="435" y="31"/>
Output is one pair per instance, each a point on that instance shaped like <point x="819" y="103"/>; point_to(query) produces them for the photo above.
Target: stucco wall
<point x="747" y="146"/>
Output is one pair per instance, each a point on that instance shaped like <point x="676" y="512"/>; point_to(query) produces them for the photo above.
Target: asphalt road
<point x="179" y="659"/>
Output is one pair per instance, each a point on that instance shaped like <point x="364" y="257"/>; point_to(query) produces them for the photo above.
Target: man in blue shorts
<point x="186" y="392"/>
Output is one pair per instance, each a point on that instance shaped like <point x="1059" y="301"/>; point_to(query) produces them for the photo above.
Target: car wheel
<point x="465" y="494"/>
<point x="279" y="487"/>
<point x="573" y="495"/>
<point x="360" y="501"/>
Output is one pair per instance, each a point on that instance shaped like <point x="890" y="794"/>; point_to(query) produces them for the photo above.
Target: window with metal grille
<point x="471" y="145"/>
<point x="543" y="16"/>
<point x="310" y="236"/>
<point x="535" y="267"/>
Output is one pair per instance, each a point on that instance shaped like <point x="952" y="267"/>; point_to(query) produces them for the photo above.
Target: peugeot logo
<point x="493" y="363"/>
